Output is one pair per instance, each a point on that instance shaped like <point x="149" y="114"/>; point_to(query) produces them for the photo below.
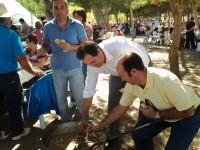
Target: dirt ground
<point x="189" y="63"/>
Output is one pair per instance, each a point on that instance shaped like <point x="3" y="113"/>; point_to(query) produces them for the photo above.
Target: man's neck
<point x="143" y="78"/>
<point x="62" y="24"/>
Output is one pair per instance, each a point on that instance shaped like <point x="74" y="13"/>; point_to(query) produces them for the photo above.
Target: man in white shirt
<point x="102" y="58"/>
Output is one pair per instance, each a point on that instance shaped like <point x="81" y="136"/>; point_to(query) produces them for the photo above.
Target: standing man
<point x="166" y="98"/>
<point x="11" y="52"/>
<point x="25" y="27"/>
<point x="102" y="59"/>
<point x="65" y="66"/>
<point x="190" y="34"/>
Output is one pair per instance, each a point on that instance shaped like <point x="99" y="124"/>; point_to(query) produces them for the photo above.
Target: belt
<point x="197" y="109"/>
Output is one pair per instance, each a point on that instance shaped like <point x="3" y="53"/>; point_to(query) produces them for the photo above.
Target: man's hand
<point x="82" y="126"/>
<point x="37" y="73"/>
<point x="41" y="52"/>
<point x="148" y="112"/>
<point x="93" y="127"/>
<point x="65" y="46"/>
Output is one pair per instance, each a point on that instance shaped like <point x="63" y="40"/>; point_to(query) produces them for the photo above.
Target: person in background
<point x="190" y="34"/>
<point x="96" y="34"/>
<point x="183" y="37"/>
<point x="39" y="31"/>
<point x="12" y="53"/>
<point x="14" y="28"/>
<point x="64" y="35"/>
<point x="166" y="99"/>
<point x="31" y="52"/>
<point x="102" y="59"/>
<point x="80" y="14"/>
<point x="119" y="33"/>
<point x="25" y="27"/>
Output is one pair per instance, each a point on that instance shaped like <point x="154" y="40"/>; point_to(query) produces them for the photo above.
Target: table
<point x="25" y="76"/>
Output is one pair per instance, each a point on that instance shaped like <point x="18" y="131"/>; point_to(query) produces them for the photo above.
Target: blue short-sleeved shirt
<point x="10" y="46"/>
<point x="73" y="33"/>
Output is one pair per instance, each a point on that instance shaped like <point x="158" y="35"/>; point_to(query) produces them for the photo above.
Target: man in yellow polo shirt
<point x="166" y="98"/>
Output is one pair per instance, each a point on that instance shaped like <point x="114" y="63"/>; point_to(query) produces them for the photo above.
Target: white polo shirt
<point x="113" y="48"/>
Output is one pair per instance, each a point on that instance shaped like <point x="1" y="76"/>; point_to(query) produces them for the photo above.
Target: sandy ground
<point x="189" y="63"/>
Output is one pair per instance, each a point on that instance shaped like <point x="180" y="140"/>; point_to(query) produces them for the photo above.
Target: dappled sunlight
<point x="16" y="146"/>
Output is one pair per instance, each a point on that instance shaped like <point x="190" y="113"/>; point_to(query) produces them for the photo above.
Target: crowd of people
<point x="78" y="60"/>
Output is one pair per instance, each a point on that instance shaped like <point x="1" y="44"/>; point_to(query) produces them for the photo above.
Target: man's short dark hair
<point x="132" y="60"/>
<point x="21" y="20"/>
<point x="55" y="0"/>
<point x="87" y="47"/>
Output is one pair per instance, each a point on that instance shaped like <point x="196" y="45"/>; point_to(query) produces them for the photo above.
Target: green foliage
<point x="34" y="6"/>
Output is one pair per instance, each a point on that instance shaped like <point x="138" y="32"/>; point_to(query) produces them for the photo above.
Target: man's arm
<point x="175" y="114"/>
<point x="67" y="47"/>
<point x="85" y="111"/>
<point x="25" y="64"/>
<point x="168" y="114"/>
<point x="44" y="49"/>
<point x="115" y="114"/>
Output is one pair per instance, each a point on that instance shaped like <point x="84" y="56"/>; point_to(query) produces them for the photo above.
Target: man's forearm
<point x="175" y="114"/>
<point x="45" y="46"/>
<point x="115" y="114"/>
<point x="86" y="106"/>
<point x="25" y="63"/>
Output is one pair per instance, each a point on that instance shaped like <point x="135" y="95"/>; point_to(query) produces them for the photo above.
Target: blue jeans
<point x="11" y="87"/>
<point x="181" y="136"/>
<point x="84" y="69"/>
<point x="60" y="80"/>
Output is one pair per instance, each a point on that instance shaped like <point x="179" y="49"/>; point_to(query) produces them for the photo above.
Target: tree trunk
<point x="194" y="12"/>
<point x="176" y="7"/>
<point x="133" y="24"/>
<point x="47" y="9"/>
<point x="116" y="17"/>
<point x="168" y="16"/>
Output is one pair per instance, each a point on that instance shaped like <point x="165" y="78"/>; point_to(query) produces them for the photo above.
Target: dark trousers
<point x="115" y="84"/>
<point x="190" y="38"/>
<point x="181" y="135"/>
<point x="11" y="87"/>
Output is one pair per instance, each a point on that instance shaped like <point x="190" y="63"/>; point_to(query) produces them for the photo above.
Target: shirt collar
<point x="70" y="20"/>
<point x="3" y="25"/>
<point x="107" y="55"/>
<point x="150" y="78"/>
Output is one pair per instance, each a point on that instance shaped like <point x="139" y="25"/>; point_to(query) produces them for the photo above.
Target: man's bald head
<point x="129" y="61"/>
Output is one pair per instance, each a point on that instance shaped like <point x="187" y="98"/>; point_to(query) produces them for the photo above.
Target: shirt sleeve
<point x="179" y="95"/>
<point x="17" y="45"/>
<point x="81" y="32"/>
<point x="128" y="97"/>
<point x="91" y="82"/>
<point x="45" y="35"/>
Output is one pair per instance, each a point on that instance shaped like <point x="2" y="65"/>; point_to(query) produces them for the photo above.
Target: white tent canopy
<point x="20" y="12"/>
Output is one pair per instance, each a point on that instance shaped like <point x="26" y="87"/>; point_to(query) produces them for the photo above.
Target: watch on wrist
<point x="157" y="117"/>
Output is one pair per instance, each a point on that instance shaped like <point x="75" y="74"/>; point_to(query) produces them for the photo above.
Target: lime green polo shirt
<point x="163" y="89"/>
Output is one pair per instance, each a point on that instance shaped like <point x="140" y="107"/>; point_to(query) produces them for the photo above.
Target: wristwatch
<point x="157" y="117"/>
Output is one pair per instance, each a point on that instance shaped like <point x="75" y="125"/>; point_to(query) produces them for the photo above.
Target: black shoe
<point x="110" y="143"/>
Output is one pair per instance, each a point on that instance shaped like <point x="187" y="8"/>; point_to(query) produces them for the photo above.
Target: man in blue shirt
<point x="11" y="52"/>
<point x="64" y="34"/>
